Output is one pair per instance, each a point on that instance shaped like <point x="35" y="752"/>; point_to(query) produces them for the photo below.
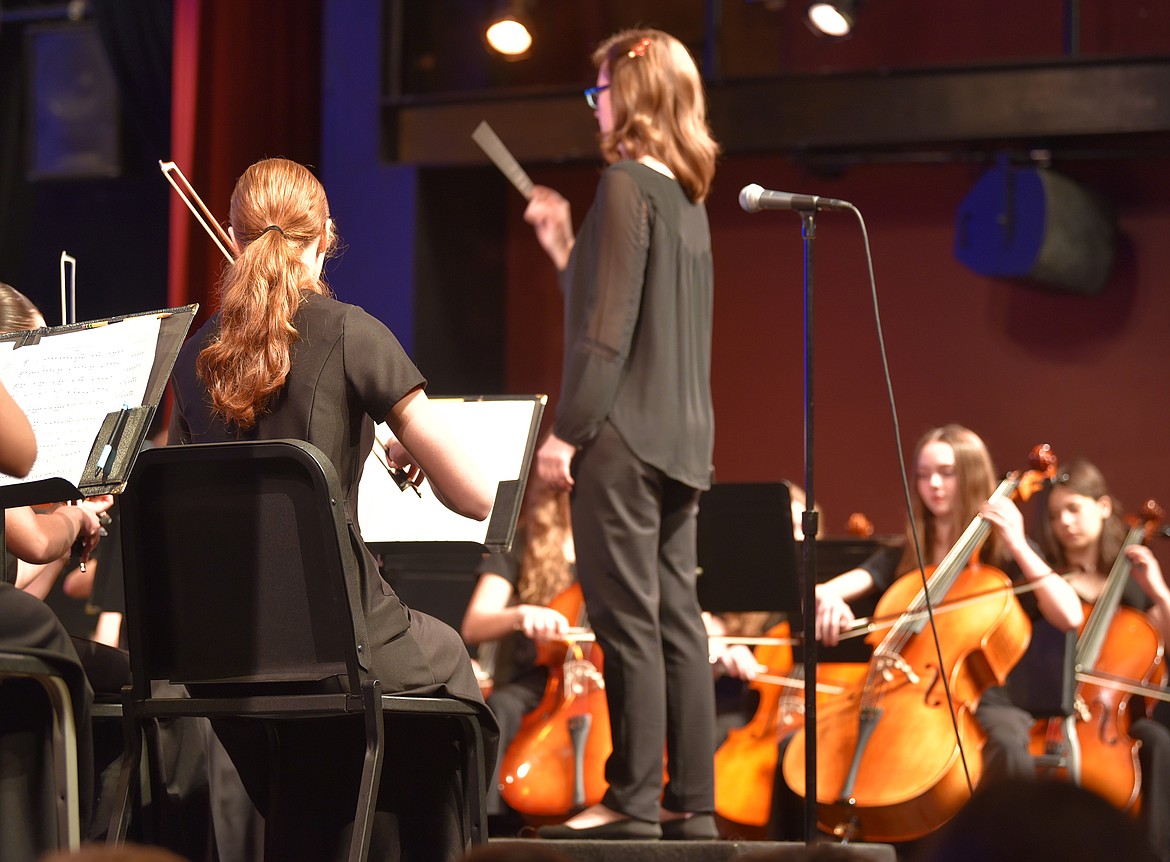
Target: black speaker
<point x="74" y="117"/>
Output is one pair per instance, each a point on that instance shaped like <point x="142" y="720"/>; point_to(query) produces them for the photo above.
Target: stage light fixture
<point x="508" y="32"/>
<point x="833" y="18"/>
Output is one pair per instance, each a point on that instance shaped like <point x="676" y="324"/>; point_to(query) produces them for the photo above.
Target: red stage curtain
<point x="246" y="86"/>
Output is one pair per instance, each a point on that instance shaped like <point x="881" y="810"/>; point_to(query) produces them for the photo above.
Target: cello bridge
<point x="890" y="662"/>
<point x="1081" y="708"/>
<point x="582" y="676"/>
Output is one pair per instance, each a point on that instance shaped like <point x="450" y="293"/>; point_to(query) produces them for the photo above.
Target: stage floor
<point x="703" y="851"/>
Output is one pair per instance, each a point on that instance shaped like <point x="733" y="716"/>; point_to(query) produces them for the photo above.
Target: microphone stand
<point x="809" y="526"/>
<point x="753" y="198"/>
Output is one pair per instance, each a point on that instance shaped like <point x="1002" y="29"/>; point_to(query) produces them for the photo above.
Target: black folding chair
<point x="61" y="739"/>
<point x="241" y="579"/>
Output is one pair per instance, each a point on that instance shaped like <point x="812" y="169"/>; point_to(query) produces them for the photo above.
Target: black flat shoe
<point x="628" y="829"/>
<point x="697" y="827"/>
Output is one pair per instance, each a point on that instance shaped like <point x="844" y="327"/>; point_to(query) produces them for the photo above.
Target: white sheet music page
<point x="69" y="381"/>
<point x="494" y="432"/>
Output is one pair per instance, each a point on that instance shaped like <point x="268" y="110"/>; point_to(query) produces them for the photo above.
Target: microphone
<point x="753" y="198"/>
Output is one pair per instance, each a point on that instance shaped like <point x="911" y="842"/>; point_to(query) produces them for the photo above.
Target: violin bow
<point x="69" y="262"/>
<point x="401" y="477"/>
<point x="864" y="625"/>
<point x="797" y="682"/>
<point x="202" y="214"/>
<point x="1108" y="680"/>
<point x="579" y="634"/>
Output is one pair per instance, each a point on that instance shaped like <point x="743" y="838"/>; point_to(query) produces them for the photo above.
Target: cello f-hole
<point x="930" y="698"/>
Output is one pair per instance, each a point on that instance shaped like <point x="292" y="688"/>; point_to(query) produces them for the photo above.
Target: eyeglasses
<point x="592" y="93"/>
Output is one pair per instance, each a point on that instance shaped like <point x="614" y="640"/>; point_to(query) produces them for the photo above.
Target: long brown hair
<point x="545" y="573"/>
<point x="1081" y="477"/>
<point x="277" y="209"/>
<point x="976" y="481"/>
<point x="659" y="108"/>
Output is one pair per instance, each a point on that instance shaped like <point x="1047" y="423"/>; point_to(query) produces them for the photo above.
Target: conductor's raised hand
<point x="549" y="214"/>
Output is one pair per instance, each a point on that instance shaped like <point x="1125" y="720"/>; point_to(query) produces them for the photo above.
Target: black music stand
<point x="747" y="556"/>
<point x="499" y="432"/>
<point x="74" y="384"/>
<point x="428" y="553"/>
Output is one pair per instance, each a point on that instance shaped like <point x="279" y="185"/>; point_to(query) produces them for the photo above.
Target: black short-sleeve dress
<point x="347" y="371"/>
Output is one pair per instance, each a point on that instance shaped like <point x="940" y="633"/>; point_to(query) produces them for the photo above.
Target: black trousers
<point x="635" y="534"/>
<point x="509" y="704"/>
<point x="1008" y="728"/>
<point x="1006" y="756"/>
<point x="1154" y="759"/>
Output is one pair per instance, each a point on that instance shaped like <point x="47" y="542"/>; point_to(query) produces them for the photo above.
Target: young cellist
<point x="1083" y="536"/>
<point x="952" y="483"/>
<point x="510" y="609"/>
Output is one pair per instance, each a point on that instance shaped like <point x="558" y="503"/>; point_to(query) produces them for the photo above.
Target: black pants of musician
<point x="1006" y="755"/>
<point x="635" y="534"/>
<point x="1008" y="729"/>
<point x="1154" y="759"/>
<point x="509" y="703"/>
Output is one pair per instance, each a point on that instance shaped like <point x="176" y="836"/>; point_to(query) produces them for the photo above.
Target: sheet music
<point x="494" y="432"/>
<point x="491" y="144"/>
<point x="67" y="384"/>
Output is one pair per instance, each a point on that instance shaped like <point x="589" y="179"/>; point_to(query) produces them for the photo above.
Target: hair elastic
<point x="271" y="227"/>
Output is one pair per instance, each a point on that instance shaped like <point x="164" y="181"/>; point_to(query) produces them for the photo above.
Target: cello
<point x="745" y="762"/>
<point x="1118" y="642"/>
<point x="893" y="764"/>
<point x="555" y="765"/>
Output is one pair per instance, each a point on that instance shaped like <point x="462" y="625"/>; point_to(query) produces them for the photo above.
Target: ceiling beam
<point x="1049" y="105"/>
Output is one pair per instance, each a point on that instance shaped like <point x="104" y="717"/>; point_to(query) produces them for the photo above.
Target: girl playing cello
<point x="954" y="479"/>
<point x="510" y="606"/>
<point x="1083" y="536"/>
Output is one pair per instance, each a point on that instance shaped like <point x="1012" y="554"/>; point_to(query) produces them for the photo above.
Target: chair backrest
<point x="239" y="566"/>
